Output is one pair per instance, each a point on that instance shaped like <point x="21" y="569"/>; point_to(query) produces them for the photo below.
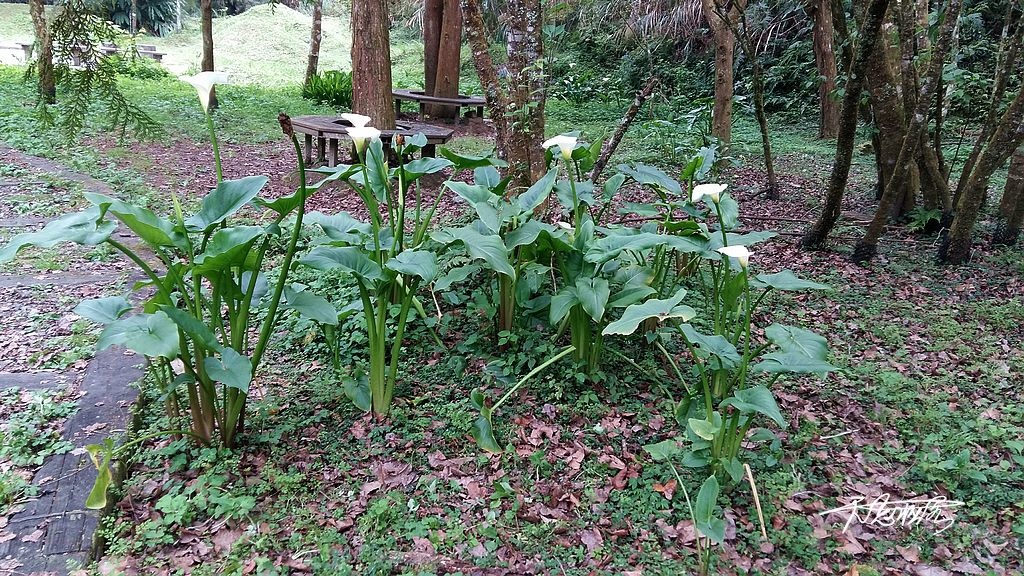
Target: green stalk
<point x="672" y="362"/>
<point x="216" y="147"/>
<point x="396" y="346"/>
<point x="531" y="374"/>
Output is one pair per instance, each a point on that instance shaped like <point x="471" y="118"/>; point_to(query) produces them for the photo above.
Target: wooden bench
<point x="328" y="130"/>
<point x="144" y="50"/>
<point x="461" y="101"/>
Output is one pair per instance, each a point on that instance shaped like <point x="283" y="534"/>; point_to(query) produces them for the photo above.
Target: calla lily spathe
<point x="740" y="253"/>
<point x="356" y="120"/>
<point x="565" y="144"/>
<point x="204" y="83"/>
<point x="713" y="191"/>
<point x="360" y="134"/>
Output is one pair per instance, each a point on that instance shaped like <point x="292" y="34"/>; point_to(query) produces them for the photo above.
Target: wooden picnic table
<point x="462" y="101"/>
<point x="328" y="130"/>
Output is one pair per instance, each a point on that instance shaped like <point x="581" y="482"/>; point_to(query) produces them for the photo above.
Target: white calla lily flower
<point x="740" y="253"/>
<point x="204" y="83"/>
<point x="713" y="191"/>
<point x="360" y="135"/>
<point x="356" y="120"/>
<point x="565" y="144"/>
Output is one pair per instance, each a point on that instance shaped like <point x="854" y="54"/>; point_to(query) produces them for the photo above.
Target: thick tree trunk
<point x="44" y="58"/>
<point x="825" y="59"/>
<point x="446" y="79"/>
<point x="371" y="63"/>
<point x="518" y="111"/>
<point x="868" y="246"/>
<point x="1011" y="208"/>
<point x="206" y="31"/>
<point x="1006" y="138"/>
<point x="433" y="16"/>
<point x="887" y="110"/>
<point x="315" y="36"/>
<point x="722" y="17"/>
<point x="816" y="236"/>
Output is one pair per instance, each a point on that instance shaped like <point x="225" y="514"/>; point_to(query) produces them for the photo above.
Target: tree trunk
<point x="44" y="58"/>
<point x="433" y="16"/>
<point x="817" y="234"/>
<point x="841" y="30"/>
<point x="825" y="59"/>
<point x="887" y="109"/>
<point x="868" y="246"/>
<point x="620" y="130"/>
<point x="314" y="41"/>
<point x="1011" y="208"/>
<point x="518" y="110"/>
<point x="206" y="31"/>
<point x="721" y="17"/>
<point x="446" y="80"/>
<point x="1006" y="138"/>
<point x="371" y="63"/>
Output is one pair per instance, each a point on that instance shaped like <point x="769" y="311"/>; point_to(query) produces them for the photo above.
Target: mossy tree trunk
<point x="44" y="56"/>
<point x="1011" y="207"/>
<point x="817" y="234"/>
<point x="722" y="17"/>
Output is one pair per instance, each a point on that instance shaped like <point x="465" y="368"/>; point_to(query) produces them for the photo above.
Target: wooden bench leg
<point x="429" y="151"/>
<point x="480" y="111"/>
<point x="309" y="148"/>
<point x="398" y="107"/>
<point x="332" y="160"/>
<point x="321" y="149"/>
<point x="423" y="110"/>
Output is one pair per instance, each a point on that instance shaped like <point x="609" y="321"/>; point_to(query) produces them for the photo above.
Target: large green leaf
<point x="748" y="239"/>
<point x="348" y="259"/>
<point x="483" y="433"/>
<point x="486" y="247"/>
<point x="786" y="280"/>
<point x="798" y="340"/>
<point x="232" y="369"/>
<point x="604" y="249"/>
<point x="377" y="170"/>
<point x="704" y="511"/>
<point x="756" y="399"/>
<point x="715" y="345"/>
<point x="469" y="192"/>
<point x="340" y="227"/>
<point x="227" y="198"/>
<point x="455" y="275"/>
<point x="194" y="328"/>
<point x="79" y="227"/>
<point x="422" y="263"/>
<point x="358" y="391"/>
<point x="421" y="166"/>
<point x="489" y="216"/>
<point x="561" y="303"/>
<point x="593" y="294"/>
<point x="228" y="248"/>
<point x="662" y="309"/>
<point x="153" y="335"/>
<point x="466" y="161"/>
<point x="149" y="227"/>
<point x="630" y="294"/>
<point x="536" y="195"/>
<point x="651" y="176"/>
<point x="730" y="212"/>
<point x="103" y="310"/>
<point x="664" y="450"/>
<point x="792" y="363"/>
<point x="528" y="233"/>
<point x="311" y="305"/>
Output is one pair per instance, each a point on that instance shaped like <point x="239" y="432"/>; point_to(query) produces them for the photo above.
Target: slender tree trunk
<point x="44" y="58"/>
<point x="843" y="33"/>
<point x="868" y="246"/>
<point x="315" y="35"/>
<point x="725" y="46"/>
<point x="446" y="79"/>
<point x="206" y="31"/>
<point x="825" y="59"/>
<point x="518" y="110"/>
<point x="1006" y="138"/>
<point x="371" y="63"/>
<point x="817" y="234"/>
<point x="620" y="130"/>
<point x="1011" y="208"/>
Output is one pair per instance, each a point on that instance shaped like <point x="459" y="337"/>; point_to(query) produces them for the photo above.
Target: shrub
<point x="331" y="87"/>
